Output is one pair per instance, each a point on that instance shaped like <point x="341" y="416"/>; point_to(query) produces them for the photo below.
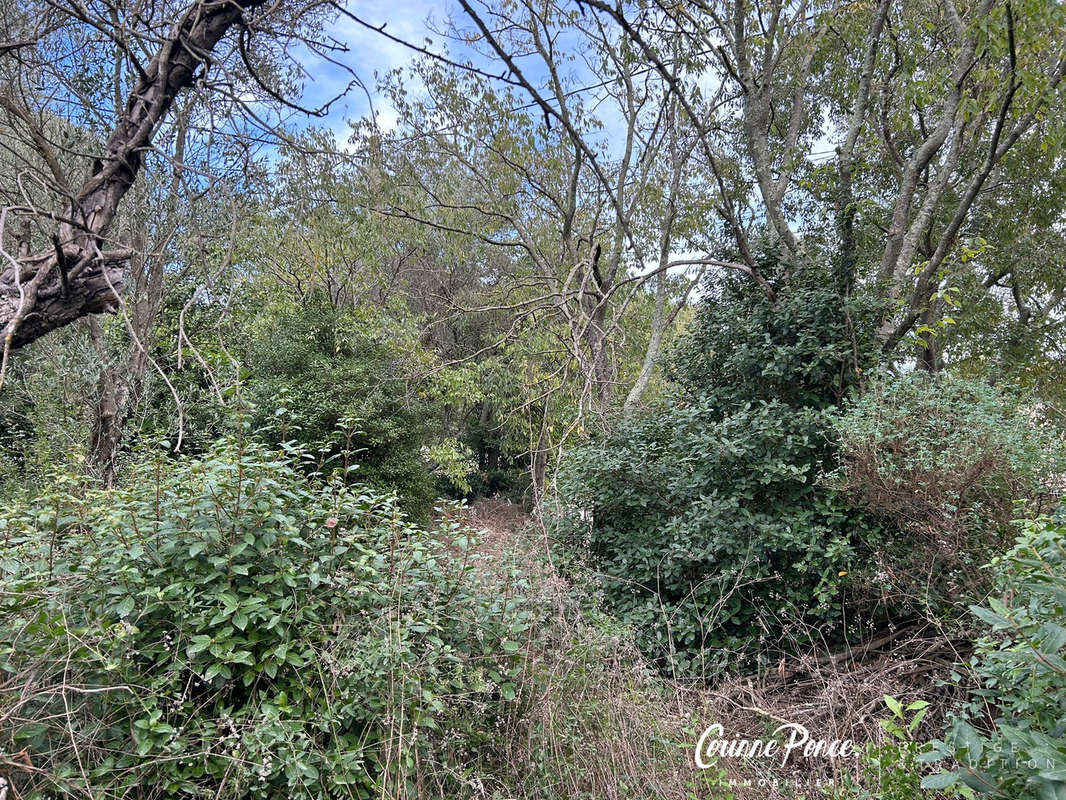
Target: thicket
<point x="706" y="514"/>
<point x="338" y="382"/>
<point x="948" y="463"/>
<point x="787" y="494"/>
<point x="226" y="626"/>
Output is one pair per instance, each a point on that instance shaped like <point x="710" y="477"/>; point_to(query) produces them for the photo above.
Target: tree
<point x="78" y="269"/>
<point x="921" y="103"/>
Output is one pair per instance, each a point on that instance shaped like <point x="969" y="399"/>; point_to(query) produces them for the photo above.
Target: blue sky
<point x="370" y="53"/>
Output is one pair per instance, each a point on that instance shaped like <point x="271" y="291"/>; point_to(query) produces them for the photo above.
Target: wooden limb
<point x="998" y="146"/>
<point x="64" y="270"/>
<point x="73" y="278"/>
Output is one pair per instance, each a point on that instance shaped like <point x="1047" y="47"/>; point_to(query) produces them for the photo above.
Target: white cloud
<point x="369" y="53"/>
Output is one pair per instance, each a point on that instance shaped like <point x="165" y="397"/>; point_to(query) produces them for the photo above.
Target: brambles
<point x="225" y="626"/>
<point x="221" y="625"/>
<point x="945" y="461"/>
<point x="944" y="456"/>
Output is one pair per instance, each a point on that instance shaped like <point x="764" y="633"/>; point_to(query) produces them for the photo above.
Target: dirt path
<point x="506" y="525"/>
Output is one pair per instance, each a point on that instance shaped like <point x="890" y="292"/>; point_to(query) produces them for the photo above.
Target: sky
<point x="371" y="53"/>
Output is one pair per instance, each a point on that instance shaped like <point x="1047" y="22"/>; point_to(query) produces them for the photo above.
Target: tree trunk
<point x="655" y="346"/>
<point x="75" y="277"/>
<point x="120" y="385"/>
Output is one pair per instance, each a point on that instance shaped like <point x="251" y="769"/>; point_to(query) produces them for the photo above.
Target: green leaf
<point x="991" y="618"/>
<point x="895" y="706"/>
<point x="1052" y="637"/>
<point x="940" y="780"/>
<point x="1048" y="789"/>
<point x="969" y="739"/>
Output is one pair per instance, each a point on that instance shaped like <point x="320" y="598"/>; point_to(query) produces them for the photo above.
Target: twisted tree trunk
<point x="77" y="276"/>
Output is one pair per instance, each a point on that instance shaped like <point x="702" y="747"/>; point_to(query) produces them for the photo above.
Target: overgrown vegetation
<point x="227" y="626"/>
<point x="1009" y="739"/>
<point x="948" y="463"/>
<point x="583" y="376"/>
<point x="707" y="514"/>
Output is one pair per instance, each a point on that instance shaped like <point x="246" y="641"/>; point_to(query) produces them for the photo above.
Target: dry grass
<point x="595" y="721"/>
<point x="603" y="725"/>
<point x="835" y="697"/>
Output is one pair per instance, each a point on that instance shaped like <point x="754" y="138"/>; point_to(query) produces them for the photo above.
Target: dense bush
<point x="941" y="454"/>
<point x="333" y="380"/>
<point x="222" y="628"/>
<point x="713" y="535"/>
<point x="1009" y="741"/>
<point x="45" y="410"/>
<point x="805" y="349"/>
<point x="705" y="515"/>
<point x="944" y="460"/>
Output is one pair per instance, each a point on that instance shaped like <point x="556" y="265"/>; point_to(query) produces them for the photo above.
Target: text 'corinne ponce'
<point x="785" y="740"/>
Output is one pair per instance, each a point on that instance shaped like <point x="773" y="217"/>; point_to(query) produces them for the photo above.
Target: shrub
<point x="940" y="453"/>
<point x="705" y="515"/>
<point x="943" y="460"/>
<point x="220" y="627"/>
<point x="712" y="535"/>
<point x="223" y="627"/>
<point x="892" y="767"/>
<point x="1009" y="740"/>
<point x="805" y="349"/>
<point x="895" y="764"/>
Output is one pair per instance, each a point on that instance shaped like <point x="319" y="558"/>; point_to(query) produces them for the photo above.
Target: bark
<point x="655" y="345"/>
<point x="758" y="98"/>
<point x="121" y="381"/>
<point x="589" y="332"/>
<point x="902" y="235"/>
<point x="111" y="396"/>
<point x="76" y="276"/>
<point x="661" y="320"/>
<point x="845" y="211"/>
<point x="539" y="467"/>
<point x="1001" y="142"/>
<point x="120" y="384"/>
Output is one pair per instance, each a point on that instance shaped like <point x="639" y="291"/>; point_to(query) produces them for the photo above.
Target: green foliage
<point x="220" y="627"/>
<point x="1009" y="740"/>
<point x="892" y="769"/>
<point x="943" y="460"/>
<point x="895" y="763"/>
<point x="707" y="517"/>
<point x="335" y="381"/>
<point x="714" y="534"/>
<point x="926" y="448"/>
<point x="804" y="349"/>
<point x="45" y="411"/>
<point x="454" y="462"/>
